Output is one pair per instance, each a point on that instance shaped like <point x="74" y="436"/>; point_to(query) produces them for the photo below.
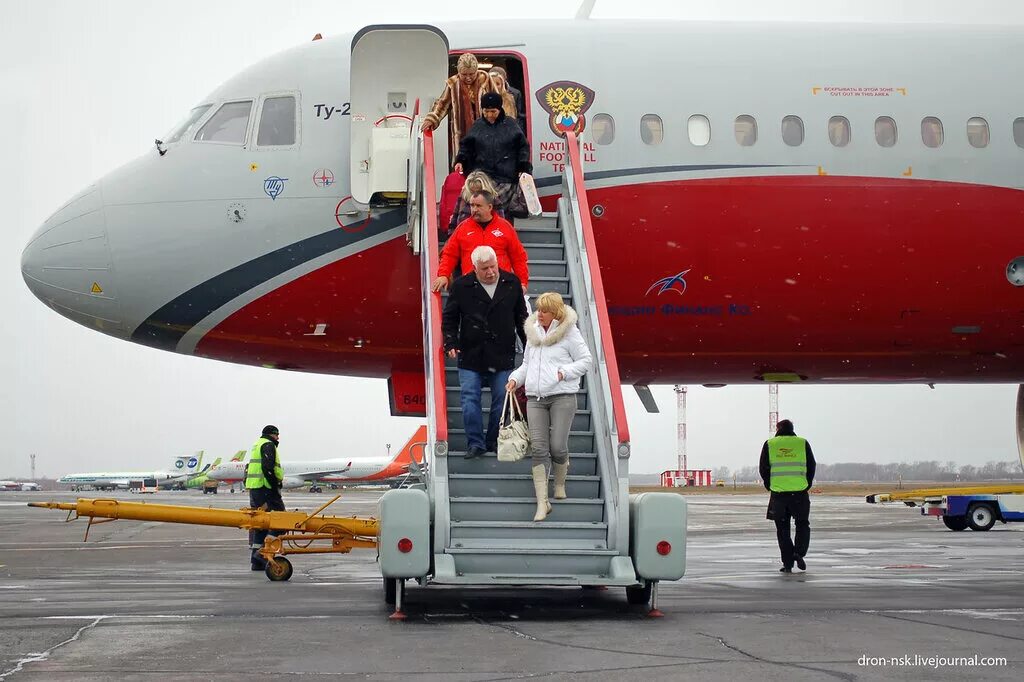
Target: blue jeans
<point x="471" y="384"/>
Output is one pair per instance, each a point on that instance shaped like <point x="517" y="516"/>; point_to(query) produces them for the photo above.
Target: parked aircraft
<point x="824" y="203"/>
<point x="298" y="474"/>
<point x="18" y="485"/>
<point x="106" y="480"/>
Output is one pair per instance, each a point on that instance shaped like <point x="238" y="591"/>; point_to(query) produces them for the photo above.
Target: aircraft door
<point x="392" y="67"/>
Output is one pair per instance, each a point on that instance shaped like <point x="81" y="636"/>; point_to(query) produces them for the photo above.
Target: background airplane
<point x="111" y="480"/>
<point x="298" y="474"/>
<point x="18" y="485"/>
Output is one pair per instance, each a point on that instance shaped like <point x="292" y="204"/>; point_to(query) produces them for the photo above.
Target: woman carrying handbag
<point x="555" y="358"/>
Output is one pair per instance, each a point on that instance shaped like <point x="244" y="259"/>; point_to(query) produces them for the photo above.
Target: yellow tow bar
<point x="297" y="531"/>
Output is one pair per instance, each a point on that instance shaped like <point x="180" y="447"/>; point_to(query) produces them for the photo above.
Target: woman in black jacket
<point x="497" y="146"/>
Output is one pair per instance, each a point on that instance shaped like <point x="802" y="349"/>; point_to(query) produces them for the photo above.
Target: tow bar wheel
<point x="279" y="569"/>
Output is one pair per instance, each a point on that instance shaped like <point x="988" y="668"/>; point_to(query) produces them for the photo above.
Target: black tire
<point x="279" y="569"/>
<point x="955" y="522"/>
<point x="981" y="516"/>
<point x="390" y="590"/>
<point x="639" y="596"/>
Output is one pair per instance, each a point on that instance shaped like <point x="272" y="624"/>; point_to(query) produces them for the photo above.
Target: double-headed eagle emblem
<point x="566" y="102"/>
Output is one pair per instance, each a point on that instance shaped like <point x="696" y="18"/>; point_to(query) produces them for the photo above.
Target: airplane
<point x="806" y="203"/>
<point x="18" y="485"/>
<point x="199" y="480"/>
<point x="298" y="474"/>
<point x="104" y="480"/>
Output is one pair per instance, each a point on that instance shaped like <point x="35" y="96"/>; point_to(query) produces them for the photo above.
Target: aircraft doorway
<point x="514" y="66"/>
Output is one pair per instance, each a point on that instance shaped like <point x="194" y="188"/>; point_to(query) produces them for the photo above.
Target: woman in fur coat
<point x="460" y="101"/>
<point x="554" y="360"/>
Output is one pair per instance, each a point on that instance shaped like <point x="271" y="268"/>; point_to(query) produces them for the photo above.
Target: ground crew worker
<point x="787" y="469"/>
<point x="264" y="477"/>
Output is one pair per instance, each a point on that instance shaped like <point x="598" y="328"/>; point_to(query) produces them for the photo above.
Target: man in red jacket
<point x="482" y="228"/>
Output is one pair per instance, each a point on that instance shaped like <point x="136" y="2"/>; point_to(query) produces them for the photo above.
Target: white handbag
<point x="513" y="433"/>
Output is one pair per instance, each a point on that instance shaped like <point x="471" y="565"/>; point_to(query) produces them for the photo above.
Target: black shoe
<point x="472" y="453"/>
<point x="786" y="569"/>
<point x="801" y="564"/>
<point x="257" y="567"/>
<point x="492" y="447"/>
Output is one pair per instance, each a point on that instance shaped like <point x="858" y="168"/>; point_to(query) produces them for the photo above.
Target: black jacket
<point x="268" y="456"/>
<point x="481" y="328"/>
<point x="499" y="149"/>
<point x="766" y="469"/>
<point x="517" y="97"/>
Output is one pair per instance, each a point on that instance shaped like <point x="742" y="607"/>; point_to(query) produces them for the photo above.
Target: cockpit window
<point x="277" y="122"/>
<point x="185" y="127"/>
<point x="228" y="124"/>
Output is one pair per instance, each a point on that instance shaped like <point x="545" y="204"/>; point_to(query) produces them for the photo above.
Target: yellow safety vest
<point x="254" y="472"/>
<point x="787" y="456"/>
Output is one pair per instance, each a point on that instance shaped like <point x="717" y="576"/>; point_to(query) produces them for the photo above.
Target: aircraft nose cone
<point x="67" y="265"/>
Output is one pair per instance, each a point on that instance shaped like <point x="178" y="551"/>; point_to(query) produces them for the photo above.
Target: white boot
<point x="560" y="471"/>
<point x="540" y="486"/>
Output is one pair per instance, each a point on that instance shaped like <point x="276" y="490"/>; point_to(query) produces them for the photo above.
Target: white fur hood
<point x="556" y="332"/>
<point x="553" y="361"/>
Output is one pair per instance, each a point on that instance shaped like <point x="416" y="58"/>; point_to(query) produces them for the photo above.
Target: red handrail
<point x="429" y="210"/>
<point x="615" y="389"/>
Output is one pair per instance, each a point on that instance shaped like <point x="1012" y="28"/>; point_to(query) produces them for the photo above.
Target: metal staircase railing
<point x="611" y="431"/>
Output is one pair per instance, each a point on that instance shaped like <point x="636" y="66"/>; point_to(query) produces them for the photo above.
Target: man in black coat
<point x="484" y="314"/>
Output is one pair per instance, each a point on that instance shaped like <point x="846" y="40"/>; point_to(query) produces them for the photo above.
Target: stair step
<point x="579" y="441"/>
<point x="523" y="508"/>
<point x="542" y="251"/>
<point x="540" y="285"/>
<point x="539" y="235"/>
<point x="548" y="268"/>
<point x="454" y="393"/>
<point x="580" y="422"/>
<point x="493" y="539"/>
<point x="533" y="579"/>
<point x="518" y="564"/>
<point x="565" y="534"/>
<point x="584" y="464"/>
<point x="517" y="485"/>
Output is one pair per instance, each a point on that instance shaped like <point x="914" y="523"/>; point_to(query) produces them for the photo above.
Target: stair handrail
<point x="433" y="351"/>
<point x="575" y="190"/>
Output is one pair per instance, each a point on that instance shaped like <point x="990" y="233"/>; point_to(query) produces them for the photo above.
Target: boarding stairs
<point x="483" y="509"/>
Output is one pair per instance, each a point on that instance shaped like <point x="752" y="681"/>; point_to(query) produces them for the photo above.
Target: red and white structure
<point x="680" y="478"/>
<point x="683" y="476"/>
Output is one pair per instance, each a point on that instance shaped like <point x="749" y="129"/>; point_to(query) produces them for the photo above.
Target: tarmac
<point x="145" y="601"/>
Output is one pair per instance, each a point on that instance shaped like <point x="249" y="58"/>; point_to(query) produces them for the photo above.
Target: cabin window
<point x="885" y="131"/>
<point x="745" y="129"/>
<point x="1018" y="132"/>
<point x="931" y="131"/>
<point x="603" y="129"/>
<point x="977" y="132"/>
<point x="228" y="125"/>
<point x="277" y="122"/>
<point x="839" y="132"/>
<point x="699" y="130"/>
<point x="652" y="130"/>
<point x="185" y="127"/>
<point x="793" y="131"/>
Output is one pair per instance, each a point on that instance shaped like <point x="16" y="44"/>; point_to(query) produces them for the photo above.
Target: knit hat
<point x="270" y="430"/>
<point x="490" y="100"/>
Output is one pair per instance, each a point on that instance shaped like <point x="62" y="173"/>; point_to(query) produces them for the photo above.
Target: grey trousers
<point x="550" y="419"/>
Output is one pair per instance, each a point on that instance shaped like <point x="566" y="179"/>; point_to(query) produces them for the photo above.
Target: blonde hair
<point x="467" y="62"/>
<point x="508" y="102"/>
<point x="551" y="302"/>
<point x="486" y="184"/>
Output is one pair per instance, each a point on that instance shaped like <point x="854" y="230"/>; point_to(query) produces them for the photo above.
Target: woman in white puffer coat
<point x="555" y="358"/>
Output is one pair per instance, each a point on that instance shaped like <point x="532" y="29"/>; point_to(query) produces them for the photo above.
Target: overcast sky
<point x="86" y="86"/>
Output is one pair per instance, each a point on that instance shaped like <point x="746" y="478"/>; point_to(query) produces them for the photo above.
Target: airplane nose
<point x="68" y="266"/>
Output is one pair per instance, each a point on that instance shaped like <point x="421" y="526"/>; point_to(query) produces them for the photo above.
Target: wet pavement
<point x="170" y="602"/>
